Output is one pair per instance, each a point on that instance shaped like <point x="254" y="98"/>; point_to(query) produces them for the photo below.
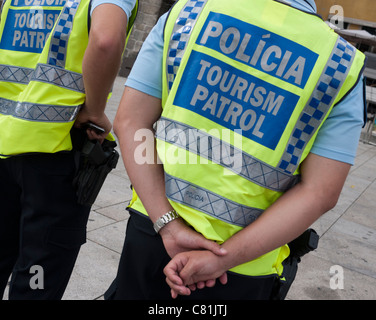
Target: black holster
<point x="94" y="161"/>
<point x="299" y="247"/>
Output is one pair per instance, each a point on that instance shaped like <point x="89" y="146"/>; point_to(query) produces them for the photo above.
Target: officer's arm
<point x="102" y="61"/>
<point x="133" y="126"/>
<point x="317" y="193"/>
<point x="286" y="219"/>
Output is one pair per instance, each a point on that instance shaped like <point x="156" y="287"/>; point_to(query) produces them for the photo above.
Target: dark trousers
<point x="41" y="225"/>
<point x="140" y="274"/>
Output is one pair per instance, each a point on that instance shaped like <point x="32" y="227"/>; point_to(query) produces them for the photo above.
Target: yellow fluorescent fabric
<point x="246" y="87"/>
<point x="41" y="83"/>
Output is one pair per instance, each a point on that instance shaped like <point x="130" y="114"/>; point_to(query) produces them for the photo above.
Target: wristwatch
<point x="166" y="218"/>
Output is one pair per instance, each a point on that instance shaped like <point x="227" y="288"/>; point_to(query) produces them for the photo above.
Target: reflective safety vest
<point x="42" y="45"/>
<point x="246" y="87"/>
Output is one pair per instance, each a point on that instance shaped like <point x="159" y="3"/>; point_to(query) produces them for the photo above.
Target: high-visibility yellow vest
<point x="246" y="87"/>
<point x="42" y="45"/>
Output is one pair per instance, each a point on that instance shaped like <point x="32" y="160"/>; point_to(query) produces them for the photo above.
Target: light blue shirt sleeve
<point x="338" y="137"/>
<point x="146" y="73"/>
<point x="305" y="5"/>
<point x="126" y="5"/>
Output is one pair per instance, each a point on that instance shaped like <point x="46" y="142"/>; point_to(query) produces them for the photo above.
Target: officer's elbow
<point x="318" y="198"/>
<point x="122" y="124"/>
<point x="109" y="45"/>
<point x="331" y="203"/>
<point x="328" y="199"/>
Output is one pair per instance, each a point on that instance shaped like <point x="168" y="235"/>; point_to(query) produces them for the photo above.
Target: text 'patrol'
<point x="235" y="99"/>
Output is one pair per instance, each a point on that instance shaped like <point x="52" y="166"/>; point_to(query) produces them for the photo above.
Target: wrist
<point x="164" y="220"/>
<point x="93" y="114"/>
<point x="172" y="228"/>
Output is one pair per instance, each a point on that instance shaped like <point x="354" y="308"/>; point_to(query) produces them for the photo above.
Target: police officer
<point x="259" y="108"/>
<point x="53" y="74"/>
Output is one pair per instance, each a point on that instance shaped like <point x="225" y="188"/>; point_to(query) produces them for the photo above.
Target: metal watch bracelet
<point x="165" y="219"/>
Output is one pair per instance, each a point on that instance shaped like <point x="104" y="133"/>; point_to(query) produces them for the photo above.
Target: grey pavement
<point x="346" y="254"/>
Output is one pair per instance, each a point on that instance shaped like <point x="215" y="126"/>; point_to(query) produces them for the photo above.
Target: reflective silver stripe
<point x="203" y="200"/>
<point x="15" y="74"/>
<point x="224" y="154"/>
<point x="60" y="36"/>
<point x="59" y="77"/>
<point x="43" y="73"/>
<point x="322" y="98"/>
<point x="180" y="36"/>
<point x="38" y="112"/>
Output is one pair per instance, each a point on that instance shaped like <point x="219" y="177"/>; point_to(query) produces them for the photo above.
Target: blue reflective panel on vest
<point x="235" y="99"/>
<point x="30" y="3"/>
<point x="258" y="48"/>
<point x="27" y="30"/>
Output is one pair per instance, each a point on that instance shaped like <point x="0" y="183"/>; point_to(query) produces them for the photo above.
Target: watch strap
<point x="165" y="219"/>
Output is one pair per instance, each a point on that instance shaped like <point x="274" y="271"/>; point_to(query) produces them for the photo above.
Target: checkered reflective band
<point x="44" y="73"/>
<point x="59" y="77"/>
<point x="224" y="154"/>
<point x="322" y="98"/>
<point x="180" y="36"/>
<point x="38" y="112"/>
<point x="203" y="200"/>
<point x="59" y="39"/>
<point x="15" y="74"/>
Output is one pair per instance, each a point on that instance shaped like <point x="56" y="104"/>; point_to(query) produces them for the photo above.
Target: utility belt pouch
<point x="94" y="161"/>
<point x="305" y="243"/>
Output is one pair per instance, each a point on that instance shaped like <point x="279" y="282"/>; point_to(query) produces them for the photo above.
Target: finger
<point x="178" y="290"/>
<point x="92" y="135"/>
<point x="171" y="273"/>
<point x="213" y="247"/>
<point x="192" y="287"/>
<point x="200" y="285"/>
<point x="223" y="278"/>
<point x="210" y="283"/>
<point x="176" y="280"/>
<point x="174" y="294"/>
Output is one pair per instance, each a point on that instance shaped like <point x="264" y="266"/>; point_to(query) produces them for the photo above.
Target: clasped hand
<point x="196" y="261"/>
<point x="194" y="269"/>
<point x="85" y="116"/>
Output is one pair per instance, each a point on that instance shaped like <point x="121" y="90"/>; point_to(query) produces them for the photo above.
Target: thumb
<point x="212" y="246"/>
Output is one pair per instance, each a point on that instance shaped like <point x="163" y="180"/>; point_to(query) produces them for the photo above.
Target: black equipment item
<point x="305" y="243"/>
<point x="94" y="162"/>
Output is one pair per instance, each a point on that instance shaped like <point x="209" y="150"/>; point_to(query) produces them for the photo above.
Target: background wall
<point x="148" y="14"/>
<point x="357" y="9"/>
